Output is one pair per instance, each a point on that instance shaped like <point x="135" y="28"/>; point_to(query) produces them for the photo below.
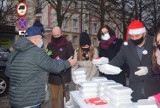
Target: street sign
<point x="22" y="23"/>
<point x="21" y="9"/>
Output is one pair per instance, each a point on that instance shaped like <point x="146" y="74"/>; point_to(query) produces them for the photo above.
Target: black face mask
<point x="85" y="56"/>
<point x="85" y="49"/>
<point x="138" y="41"/>
<point x="158" y="46"/>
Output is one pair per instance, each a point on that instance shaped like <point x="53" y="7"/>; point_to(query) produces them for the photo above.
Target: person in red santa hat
<point x="137" y="52"/>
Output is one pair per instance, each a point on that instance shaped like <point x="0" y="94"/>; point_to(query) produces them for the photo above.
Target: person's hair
<point x="111" y="32"/>
<point x="154" y="58"/>
<point x="91" y="53"/>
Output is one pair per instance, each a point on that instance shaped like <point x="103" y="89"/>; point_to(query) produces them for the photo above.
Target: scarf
<point x="59" y="42"/>
<point x="105" y="44"/>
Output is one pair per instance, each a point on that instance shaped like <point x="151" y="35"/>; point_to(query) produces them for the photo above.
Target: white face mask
<point x="40" y="44"/>
<point x="106" y="36"/>
<point x="158" y="56"/>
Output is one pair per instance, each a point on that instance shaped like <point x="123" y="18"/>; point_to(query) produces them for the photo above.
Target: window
<point x="65" y="2"/>
<point x="66" y="22"/>
<point x="75" y="5"/>
<point x="74" y="40"/>
<point x="94" y="42"/>
<point x="94" y="27"/>
<point x="75" y="21"/>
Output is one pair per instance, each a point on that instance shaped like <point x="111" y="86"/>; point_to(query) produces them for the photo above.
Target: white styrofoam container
<point x="80" y="81"/>
<point x="89" y="95"/>
<point x="81" y="89"/>
<point x="121" y="90"/>
<point x="82" y="76"/>
<point x="110" y="85"/>
<point x="146" y="103"/>
<point x="89" y="84"/>
<point x="80" y="71"/>
<point x="115" y="97"/>
<point x="120" y="104"/>
<point x="109" y="69"/>
<point x="99" y="79"/>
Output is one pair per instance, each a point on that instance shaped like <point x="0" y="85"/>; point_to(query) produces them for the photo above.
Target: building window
<point x="74" y="40"/>
<point x="94" y="27"/>
<point x="66" y="22"/>
<point x="75" y="5"/>
<point x="65" y="2"/>
<point x="94" y="42"/>
<point x="75" y="22"/>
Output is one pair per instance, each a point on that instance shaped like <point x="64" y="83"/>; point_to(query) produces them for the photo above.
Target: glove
<point x="142" y="71"/>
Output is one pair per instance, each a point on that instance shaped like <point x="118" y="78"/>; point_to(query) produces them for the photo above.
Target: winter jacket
<point x="92" y="70"/>
<point x="27" y="68"/>
<point x="64" y="51"/>
<point x="110" y="53"/>
<point x="142" y="86"/>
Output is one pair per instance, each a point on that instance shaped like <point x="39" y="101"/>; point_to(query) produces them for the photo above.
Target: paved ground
<point x="4" y="102"/>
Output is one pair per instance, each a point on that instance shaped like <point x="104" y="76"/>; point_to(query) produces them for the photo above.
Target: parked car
<point x="4" y="81"/>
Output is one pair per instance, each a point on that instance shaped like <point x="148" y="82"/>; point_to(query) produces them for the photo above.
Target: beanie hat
<point x="84" y="39"/>
<point x="37" y="23"/>
<point x="135" y="27"/>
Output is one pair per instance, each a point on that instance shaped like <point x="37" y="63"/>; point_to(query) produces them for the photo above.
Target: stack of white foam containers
<point x="120" y="96"/>
<point x="79" y="75"/>
<point x="146" y="103"/>
<point x="88" y="89"/>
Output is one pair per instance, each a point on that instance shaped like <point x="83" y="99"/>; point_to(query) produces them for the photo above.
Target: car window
<point x="3" y="50"/>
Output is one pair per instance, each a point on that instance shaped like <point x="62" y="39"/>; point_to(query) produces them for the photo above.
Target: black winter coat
<point x="110" y="53"/>
<point x="64" y="53"/>
<point x="142" y="86"/>
<point x="27" y="68"/>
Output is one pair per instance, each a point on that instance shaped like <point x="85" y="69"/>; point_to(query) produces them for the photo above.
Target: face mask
<point x="138" y="41"/>
<point x="40" y="44"/>
<point x="105" y="36"/>
<point x="158" y="46"/>
<point x="85" y="49"/>
<point x="85" y="56"/>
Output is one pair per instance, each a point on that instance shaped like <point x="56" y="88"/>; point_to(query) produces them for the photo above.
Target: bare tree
<point x="60" y="11"/>
<point x="8" y="15"/>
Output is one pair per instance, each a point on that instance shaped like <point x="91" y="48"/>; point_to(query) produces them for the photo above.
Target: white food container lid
<point x="109" y="69"/>
<point x="99" y="79"/>
<point x="121" y="90"/>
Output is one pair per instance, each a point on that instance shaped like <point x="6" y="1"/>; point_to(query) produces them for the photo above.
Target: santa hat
<point x="134" y="28"/>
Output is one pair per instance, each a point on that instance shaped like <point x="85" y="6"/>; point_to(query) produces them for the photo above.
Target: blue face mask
<point x="40" y="44"/>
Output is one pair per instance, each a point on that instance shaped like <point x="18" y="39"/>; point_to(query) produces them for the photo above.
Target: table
<point x="80" y="103"/>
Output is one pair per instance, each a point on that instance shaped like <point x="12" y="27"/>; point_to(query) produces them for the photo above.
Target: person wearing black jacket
<point x="137" y="51"/>
<point x="61" y="49"/>
<point x="109" y="46"/>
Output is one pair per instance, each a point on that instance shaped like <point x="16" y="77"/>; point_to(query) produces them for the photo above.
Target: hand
<point x="72" y="61"/>
<point x="142" y="71"/>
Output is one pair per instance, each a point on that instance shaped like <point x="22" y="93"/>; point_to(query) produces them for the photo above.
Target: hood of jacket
<point x="23" y="44"/>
